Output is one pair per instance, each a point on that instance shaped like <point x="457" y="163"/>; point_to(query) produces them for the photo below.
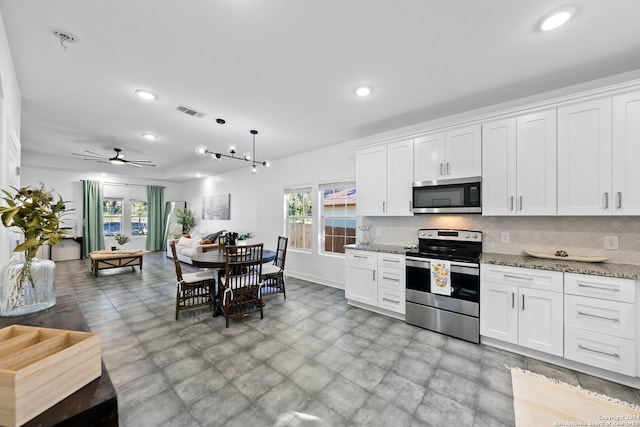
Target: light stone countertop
<point x="373" y="247"/>
<point x="606" y="269"/>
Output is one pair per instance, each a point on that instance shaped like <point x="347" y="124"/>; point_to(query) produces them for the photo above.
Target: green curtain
<point x="155" y="218"/>
<point x="93" y="237"/>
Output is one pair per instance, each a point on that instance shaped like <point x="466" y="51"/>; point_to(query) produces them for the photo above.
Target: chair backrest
<point x="281" y="252"/>
<point x="175" y="261"/>
<point x="243" y="265"/>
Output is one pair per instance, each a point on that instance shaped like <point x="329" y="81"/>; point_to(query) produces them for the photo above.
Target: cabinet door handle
<point x="390" y="260"/>
<point x="511" y="202"/>
<point x="441" y="166"/>
<point x="513" y="300"/>
<point x="613" y="319"/>
<point x="391" y="300"/>
<point x="361" y="256"/>
<point x="522" y="302"/>
<point x="384" y="206"/>
<point x="619" y="196"/>
<point x="448" y="168"/>
<point x="616" y="355"/>
<point x="601" y="288"/>
<point x="606" y="200"/>
<point x="374" y="275"/>
<point x="520" y="202"/>
<point x="511" y="276"/>
<point x="393" y="279"/>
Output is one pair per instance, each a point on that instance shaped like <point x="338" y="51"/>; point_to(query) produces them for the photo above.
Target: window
<point x="338" y="216"/>
<point x="299" y="217"/>
<point x="138" y="217"/>
<point x="111" y="216"/>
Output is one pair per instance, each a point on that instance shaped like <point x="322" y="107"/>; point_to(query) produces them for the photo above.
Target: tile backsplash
<point x="575" y="235"/>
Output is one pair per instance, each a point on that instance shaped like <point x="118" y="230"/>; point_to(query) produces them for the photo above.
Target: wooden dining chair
<point x="193" y="289"/>
<point x="273" y="273"/>
<point x="241" y="286"/>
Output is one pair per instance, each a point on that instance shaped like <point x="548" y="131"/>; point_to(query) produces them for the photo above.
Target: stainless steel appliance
<point x="447" y="196"/>
<point x="457" y="315"/>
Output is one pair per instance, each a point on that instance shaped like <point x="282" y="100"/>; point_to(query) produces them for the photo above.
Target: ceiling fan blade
<point x="96" y="154"/>
<point x="141" y="164"/>
<point x="132" y="164"/>
<point x="90" y="156"/>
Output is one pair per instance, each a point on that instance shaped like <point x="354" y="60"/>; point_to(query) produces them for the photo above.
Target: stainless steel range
<point x="457" y="312"/>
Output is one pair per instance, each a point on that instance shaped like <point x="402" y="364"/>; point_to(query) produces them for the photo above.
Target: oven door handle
<point x="456" y="267"/>
<point x="425" y="263"/>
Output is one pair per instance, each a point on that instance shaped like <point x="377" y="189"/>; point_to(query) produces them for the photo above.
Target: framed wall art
<point x="217" y="207"/>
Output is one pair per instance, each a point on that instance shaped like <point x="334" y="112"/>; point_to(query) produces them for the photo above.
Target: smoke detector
<point x="65" y="38"/>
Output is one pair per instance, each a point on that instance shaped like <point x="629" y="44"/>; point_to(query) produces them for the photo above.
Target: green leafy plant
<point x="34" y="212"/>
<point x="186" y="219"/>
<point x="245" y="236"/>
<point x="121" y="239"/>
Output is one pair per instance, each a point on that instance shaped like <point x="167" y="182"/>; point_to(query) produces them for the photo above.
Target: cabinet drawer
<point x="391" y="299"/>
<point x="362" y="257"/>
<point x="391" y="260"/>
<point x="392" y="278"/>
<point x="610" y="288"/>
<point x="608" y="317"/>
<point x="523" y="277"/>
<point x="600" y="350"/>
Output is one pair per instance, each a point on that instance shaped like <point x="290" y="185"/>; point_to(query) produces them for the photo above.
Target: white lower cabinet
<point x="391" y="282"/>
<point x="376" y="279"/>
<point x="360" y="276"/>
<point x="522" y="306"/>
<point x="600" y="322"/>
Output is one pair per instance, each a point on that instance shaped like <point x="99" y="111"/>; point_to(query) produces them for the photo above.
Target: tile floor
<point x="313" y="360"/>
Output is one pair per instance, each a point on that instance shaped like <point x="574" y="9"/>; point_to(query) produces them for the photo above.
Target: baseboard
<point x="315" y="279"/>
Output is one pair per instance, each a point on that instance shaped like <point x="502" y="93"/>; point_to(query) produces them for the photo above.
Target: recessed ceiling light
<point x="145" y="94"/>
<point x="557" y="18"/>
<point x="363" y="90"/>
<point x="149" y="136"/>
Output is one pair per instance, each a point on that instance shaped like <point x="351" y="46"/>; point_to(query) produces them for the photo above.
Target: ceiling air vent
<point x="189" y="111"/>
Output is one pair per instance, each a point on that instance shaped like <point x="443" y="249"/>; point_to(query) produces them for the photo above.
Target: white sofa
<point x="187" y="246"/>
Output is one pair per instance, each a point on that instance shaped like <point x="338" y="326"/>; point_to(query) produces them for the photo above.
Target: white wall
<point x="69" y="186"/>
<point x="257" y="204"/>
<point x="10" y="104"/>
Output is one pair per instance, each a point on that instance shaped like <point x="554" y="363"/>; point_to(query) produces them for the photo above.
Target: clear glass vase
<point x="18" y="294"/>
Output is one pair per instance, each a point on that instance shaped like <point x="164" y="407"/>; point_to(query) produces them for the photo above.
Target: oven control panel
<point x="462" y="235"/>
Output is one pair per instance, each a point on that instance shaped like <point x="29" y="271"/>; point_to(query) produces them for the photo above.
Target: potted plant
<point x="27" y="284"/>
<point x="242" y="238"/>
<point x="121" y="239"/>
<point x="186" y="219"/>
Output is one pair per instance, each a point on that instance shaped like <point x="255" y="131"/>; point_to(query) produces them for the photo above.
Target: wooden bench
<point x="103" y="259"/>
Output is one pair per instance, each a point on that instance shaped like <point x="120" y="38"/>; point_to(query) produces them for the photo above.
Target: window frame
<point x="132" y="216"/>
<point x="307" y="220"/>
<point x="346" y="217"/>
<point x="112" y="216"/>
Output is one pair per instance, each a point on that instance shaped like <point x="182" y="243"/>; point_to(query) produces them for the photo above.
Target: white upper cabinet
<point x="626" y="154"/>
<point x="584" y="159"/>
<point x="451" y="154"/>
<point x="383" y="178"/>
<point x="399" y="175"/>
<point x="519" y="165"/>
<point x="371" y="180"/>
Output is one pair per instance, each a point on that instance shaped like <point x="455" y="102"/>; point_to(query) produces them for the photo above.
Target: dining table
<point x="215" y="259"/>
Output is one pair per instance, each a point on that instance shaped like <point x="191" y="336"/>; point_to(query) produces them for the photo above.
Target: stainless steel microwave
<point x="460" y="195"/>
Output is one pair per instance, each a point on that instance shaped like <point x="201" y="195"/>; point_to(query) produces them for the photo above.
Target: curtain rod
<point x="124" y="184"/>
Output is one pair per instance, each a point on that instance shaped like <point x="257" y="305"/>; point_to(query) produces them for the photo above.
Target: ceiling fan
<point x="118" y="159"/>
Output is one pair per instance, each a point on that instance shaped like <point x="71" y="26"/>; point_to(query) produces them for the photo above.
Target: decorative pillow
<point x="184" y="241"/>
<point x="205" y="242"/>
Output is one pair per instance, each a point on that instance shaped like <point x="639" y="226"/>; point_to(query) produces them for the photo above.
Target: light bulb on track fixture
<point x="203" y="151"/>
